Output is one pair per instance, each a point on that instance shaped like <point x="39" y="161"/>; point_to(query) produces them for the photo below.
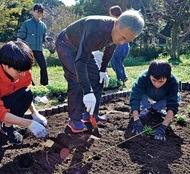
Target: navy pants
<point x="40" y="59"/>
<point x="67" y="56"/>
<point x="18" y="102"/>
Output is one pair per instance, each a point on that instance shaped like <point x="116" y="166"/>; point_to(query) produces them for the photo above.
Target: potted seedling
<point x="181" y="119"/>
<point x="148" y="130"/>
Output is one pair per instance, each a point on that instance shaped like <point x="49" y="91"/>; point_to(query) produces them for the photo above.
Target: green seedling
<point x="170" y="124"/>
<point x="180" y="118"/>
<point x="188" y="108"/>
<point x="148" y="130"/>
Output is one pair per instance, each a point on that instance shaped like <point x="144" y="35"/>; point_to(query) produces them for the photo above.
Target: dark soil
<point x="118" y="151"/>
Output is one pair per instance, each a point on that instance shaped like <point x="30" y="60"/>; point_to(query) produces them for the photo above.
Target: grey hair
<point x="133" y="19"/>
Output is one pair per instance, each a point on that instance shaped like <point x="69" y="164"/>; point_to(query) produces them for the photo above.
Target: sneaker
<point x="86" y="118"/>
<point x="12" y="134"/>
<point x="77" y="126"/>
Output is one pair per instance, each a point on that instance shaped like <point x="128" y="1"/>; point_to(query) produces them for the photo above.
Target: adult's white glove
<point x="39" y="118"/>
<point x="38" y="130"/>
<point x="89" y="101"/>
<point x="104" y="77"/>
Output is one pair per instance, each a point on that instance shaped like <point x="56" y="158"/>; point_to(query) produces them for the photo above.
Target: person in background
<point x="16" y="60"/>
<point x="33" y="32"/>
<point x="75" y="45"/>
<point x="121" y="52"/>
<point x="159" y="86"/>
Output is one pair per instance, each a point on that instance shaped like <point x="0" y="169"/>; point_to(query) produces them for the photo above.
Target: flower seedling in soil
<point x="148" y="130"/>
<point x="181" y="119"/>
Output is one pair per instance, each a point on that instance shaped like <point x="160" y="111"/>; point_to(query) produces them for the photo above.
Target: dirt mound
<point x="118" y="151"/>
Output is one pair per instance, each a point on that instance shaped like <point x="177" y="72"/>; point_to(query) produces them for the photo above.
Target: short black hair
<point x="160" y="69"/>
<point x="17" y="55"/>
<point x="115" y="10"/>
<point x="39" y="7"/>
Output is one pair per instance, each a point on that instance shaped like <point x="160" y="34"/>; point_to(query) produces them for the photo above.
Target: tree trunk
<point x="174" y="41"/>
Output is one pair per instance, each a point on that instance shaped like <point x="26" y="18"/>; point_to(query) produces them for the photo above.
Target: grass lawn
<point x="181" y="69"/>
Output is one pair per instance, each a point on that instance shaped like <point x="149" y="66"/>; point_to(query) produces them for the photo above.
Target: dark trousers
<point x="40" y="59"/>
<point x="18" y="102"/>
<point x="67" y="57"/>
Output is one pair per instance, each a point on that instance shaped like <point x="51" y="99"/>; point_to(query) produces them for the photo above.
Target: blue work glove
<point x="159" y="133"/>
<point x="89" y="101"/>
<point x="138" y="127"/>
<point x="104" y="77"/>
<point x="37" y="129"/>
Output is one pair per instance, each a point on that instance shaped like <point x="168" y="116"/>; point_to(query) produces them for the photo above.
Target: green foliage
<point x="188" y="108"/>
<point x="149" y="52"/>
<point x="181" y="118"/>
<point x="56" y="88"/>
<point x="135" y="61"/>
<point x="53" y="60"/>
<point x="11" y="11"/>
<point x="148" y="130"/>
<point x="112" y="82"/>
<point x="48" y="3"/>
<point x="40" y="90"/>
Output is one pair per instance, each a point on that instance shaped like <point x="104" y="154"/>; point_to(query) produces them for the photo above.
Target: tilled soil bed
<point x="118" y="151"/>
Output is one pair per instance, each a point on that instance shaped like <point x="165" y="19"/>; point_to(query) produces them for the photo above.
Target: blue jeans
<point x="117" y="59"/>
<point x="67" y="55"/>
<point x="157" y="105"/>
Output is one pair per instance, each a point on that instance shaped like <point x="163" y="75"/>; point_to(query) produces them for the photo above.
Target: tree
<point x="98" y="7"/>
<point x="11" y="10"/>
<point x="173" y="13"/>
<point x="49" y="3"/>
<point x="56" y="20"/>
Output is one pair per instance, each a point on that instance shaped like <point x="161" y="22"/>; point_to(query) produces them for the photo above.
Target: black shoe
<point x="12" y="134"/>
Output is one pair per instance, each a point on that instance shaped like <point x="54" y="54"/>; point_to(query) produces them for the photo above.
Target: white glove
<point x="48" y="39"/>
<point x="89" y="101"/>
<point x="104" y="77"/>
<point x="19" y="39"/>
<point x="38" y="130"/>
<point x="39" y="118"/>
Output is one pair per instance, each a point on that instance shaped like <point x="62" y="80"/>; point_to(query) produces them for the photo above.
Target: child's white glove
<point x="38" y="130"/>
<point x="39" y="118"/>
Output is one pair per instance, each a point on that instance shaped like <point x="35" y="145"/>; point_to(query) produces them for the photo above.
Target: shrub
<point x="149" y="52"/>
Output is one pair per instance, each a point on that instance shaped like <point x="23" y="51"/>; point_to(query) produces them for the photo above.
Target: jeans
<point x="40" y="59"/>
<point x="18" y="102"/>
<point x="117" y="59"/>
<point x="67" y="55"/>
<point x="157" y="105"/>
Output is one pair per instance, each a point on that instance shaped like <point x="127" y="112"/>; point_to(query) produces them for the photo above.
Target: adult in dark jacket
<point x="33" y="32"/>
<point x="75" y="45"/>
<point x="159" y="86"/>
